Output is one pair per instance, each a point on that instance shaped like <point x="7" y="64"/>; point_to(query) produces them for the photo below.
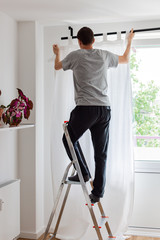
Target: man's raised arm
<point x="58" y="63"/>
<point x="125" y="57"/>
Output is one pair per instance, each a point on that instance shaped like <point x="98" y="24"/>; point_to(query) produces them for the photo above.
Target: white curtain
<point x="76" y="222"/>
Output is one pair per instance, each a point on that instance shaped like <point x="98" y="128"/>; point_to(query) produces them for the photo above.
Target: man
<point x="92" y="109"/>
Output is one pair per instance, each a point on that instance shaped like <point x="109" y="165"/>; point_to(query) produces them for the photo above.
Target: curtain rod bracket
<point x="71" y="31"/>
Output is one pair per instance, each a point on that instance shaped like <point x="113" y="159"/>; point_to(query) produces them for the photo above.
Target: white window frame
<point x="146" y="166"/>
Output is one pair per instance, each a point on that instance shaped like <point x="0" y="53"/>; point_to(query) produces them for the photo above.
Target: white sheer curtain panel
<point x="76" y="223"/>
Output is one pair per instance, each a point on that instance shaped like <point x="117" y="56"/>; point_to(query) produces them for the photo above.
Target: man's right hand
<point x="131" y="35"/>
<point x="125" y="57"/>
<point x="55" y="49"/>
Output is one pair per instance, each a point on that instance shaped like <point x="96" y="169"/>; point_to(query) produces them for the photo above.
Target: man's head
<point x="85" y="36"/>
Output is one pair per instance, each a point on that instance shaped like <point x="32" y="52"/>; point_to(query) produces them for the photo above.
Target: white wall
<point x="8" y="84"/>
<point x="30" y="141"/>
<point x="26" y="138"/>
<point x="146" y="217"/>
<point x="40" y="128"/>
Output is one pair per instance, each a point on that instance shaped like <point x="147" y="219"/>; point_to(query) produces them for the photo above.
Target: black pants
<point x="96" y="119"/>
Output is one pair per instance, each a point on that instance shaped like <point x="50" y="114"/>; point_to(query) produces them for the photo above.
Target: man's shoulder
<point x="101" y="51"/>
<point x="75" y="53"/>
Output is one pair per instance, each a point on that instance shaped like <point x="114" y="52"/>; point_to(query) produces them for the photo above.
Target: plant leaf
<point x="30" y="104"/>
<point x="20" y="92"/>
<point x="26" y="113"/>
<point x="2" y="106"/>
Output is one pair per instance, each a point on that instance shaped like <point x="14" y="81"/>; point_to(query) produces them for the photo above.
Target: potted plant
<point x="18" y="108"/>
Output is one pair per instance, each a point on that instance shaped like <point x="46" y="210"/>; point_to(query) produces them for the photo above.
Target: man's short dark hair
<point x="85" y="35"/>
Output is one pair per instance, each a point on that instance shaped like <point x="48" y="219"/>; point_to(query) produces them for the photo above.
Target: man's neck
<point x="87" y="47"/>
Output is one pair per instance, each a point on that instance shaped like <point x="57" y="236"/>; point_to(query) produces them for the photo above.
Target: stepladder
<point x="59" y="203"/>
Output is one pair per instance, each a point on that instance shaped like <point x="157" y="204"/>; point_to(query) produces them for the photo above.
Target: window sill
<point x="147" y="166"/>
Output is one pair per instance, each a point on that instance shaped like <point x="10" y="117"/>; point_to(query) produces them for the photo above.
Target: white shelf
<point x="21" y="126"/>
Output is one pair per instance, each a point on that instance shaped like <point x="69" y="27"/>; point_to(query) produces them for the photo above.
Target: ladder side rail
<point x="57" y="201"/>
<point x="99" y="203"/>
<point x="76" y="163"/>
<point x="61" y="210"/>
<point x="62" y="206"/>
<point x="108" y="229"/>
<point x="103" y="214"/>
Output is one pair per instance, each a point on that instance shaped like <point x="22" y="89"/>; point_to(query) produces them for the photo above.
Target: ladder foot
<point x="111" y="237"/>
<point x="104" y="217"/>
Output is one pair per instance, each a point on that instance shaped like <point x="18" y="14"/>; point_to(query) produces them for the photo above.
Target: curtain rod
<point x="110" y="33"/>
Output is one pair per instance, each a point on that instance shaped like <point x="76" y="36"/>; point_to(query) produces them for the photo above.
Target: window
<point x="145" y="75"/>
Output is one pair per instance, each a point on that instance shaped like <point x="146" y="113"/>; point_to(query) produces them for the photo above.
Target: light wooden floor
<point x="131" y="238"/>
<point x="143" y="238"/>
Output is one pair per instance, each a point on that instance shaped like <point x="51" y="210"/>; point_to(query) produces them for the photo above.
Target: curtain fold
<point x="118" y="199"/>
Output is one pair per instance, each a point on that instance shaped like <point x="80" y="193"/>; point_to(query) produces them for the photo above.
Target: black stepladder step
<point x="90" y="206"/>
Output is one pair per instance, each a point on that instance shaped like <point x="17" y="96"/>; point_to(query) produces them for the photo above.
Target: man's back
<point x="90" y="75"/>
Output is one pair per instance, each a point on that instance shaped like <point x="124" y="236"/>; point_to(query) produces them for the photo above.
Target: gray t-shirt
<point x="90" y="75"/>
